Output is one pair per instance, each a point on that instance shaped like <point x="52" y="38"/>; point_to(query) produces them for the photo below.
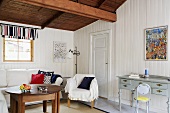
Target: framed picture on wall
<point x="59" y="51"/>
<point x="156" y="44"/>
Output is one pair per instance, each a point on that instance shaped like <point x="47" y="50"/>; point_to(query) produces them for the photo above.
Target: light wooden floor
<point x="113" y="107"/>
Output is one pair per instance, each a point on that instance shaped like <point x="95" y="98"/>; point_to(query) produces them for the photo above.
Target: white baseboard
<point x="111" y="98"/>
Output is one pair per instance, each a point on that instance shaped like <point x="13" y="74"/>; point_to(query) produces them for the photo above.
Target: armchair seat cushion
<point x="80" y="94"/>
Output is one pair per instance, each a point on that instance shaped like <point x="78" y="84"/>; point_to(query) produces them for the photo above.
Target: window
<point x="17" y="50"/>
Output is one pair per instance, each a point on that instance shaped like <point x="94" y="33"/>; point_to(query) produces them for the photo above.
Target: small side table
<point x="64" y="95"/>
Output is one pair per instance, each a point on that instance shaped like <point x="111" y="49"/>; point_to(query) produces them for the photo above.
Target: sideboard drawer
<point x="137" y="82"/>
<point x="125" y="81"/>
<point x="159" y="85"/>
<point x="125" y="86"/>
<point x="159" y="92"/>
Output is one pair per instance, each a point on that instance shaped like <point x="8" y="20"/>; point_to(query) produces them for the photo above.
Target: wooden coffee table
<point x="18" y="99"/>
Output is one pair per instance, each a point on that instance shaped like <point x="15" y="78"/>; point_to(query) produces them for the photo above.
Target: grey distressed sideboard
<point x="159" y="86"/>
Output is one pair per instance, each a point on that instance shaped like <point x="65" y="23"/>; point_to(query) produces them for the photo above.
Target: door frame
<point x="109" y="41"/>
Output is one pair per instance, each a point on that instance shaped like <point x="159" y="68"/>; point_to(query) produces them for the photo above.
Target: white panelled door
<point x="100" y="62"/>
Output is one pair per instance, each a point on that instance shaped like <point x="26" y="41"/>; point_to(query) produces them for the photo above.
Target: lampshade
<point x="69" y="55"/>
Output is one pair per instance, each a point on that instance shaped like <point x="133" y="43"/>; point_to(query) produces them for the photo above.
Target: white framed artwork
<point x="59" y="51"/>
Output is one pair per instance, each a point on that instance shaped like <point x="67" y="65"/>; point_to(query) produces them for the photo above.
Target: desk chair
<point x="143" y="92"/>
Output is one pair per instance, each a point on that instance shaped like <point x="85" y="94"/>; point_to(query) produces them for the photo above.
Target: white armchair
<point x="75" y="93"/>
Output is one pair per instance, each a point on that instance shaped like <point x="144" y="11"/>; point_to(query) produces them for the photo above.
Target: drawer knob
<point x="159" y="91"/>
<point x="125" y="80"/>
<point x="159" y="84"/>
<point x="125" y="85"/>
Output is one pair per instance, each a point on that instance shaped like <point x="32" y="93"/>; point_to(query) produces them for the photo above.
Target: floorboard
<point x="113" y="107"/>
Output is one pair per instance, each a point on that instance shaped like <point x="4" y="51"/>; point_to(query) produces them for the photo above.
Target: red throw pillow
<point x="37" y="79"/>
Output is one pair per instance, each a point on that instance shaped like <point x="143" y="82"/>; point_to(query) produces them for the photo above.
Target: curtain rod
<point x="20" y="26"/>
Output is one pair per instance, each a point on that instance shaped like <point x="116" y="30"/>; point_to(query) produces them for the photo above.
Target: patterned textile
<point x="18" y="32"/>
<point x="47" y="79"/>
<point x="46" y="73"/>
<point x="49" y="73"/>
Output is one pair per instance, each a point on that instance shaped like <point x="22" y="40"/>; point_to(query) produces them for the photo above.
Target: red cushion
<point x="37" y="79"/>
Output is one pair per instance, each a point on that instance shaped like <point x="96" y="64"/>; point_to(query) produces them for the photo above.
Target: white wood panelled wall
<point x="128" y="44"/>
<point x="133" y="17"/>
<point x="43" y="52"/>
<point x="82" y="41"/>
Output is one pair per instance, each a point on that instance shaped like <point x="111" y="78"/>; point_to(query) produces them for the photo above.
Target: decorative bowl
<point x="25" y="88"/>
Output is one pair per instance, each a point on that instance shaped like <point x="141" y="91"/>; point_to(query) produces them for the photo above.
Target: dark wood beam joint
<point x="50" y="20"/>
<point x="75" y="1"/>
<point x="1" y="2"/>
<point x="100" y="3"/>
<point x="39" y="8"/>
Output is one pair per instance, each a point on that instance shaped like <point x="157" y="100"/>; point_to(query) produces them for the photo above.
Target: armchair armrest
<point x="58" y="81"/>
<point x="3" y="104"/>
<point x="71" y="84"/>
<point x="94" y="89"/>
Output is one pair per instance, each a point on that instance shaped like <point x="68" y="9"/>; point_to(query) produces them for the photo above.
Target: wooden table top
<point x="34" y="89"/>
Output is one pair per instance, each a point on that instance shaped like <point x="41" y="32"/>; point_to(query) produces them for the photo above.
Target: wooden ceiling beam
<point x="76" y="1"/>
<point x="100" y="3"/>
<point x="74" y="8"/>
<point x="1" y="2"/>
<point x="50" y="20"/>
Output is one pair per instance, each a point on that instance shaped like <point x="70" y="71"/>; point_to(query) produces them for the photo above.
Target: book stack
<point x="134" y="76"/>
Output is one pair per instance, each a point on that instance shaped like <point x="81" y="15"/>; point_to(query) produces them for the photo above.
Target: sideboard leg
<point x="120" y="92"/>
<point x="132" y="97"/>
<point x="168" y="102"/>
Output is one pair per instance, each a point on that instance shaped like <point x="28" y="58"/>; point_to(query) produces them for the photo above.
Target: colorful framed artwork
<point x="156" y="43"/>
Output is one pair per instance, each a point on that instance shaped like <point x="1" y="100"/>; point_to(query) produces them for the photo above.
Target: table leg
<point x="58" y="102"/>
<point x="132" y="97"/>
<point x="44" y="106"/>
<point x="54" y="104"/>
<point x="13" y="105"/>
<point x="120" y="92"/>
<point x="21" y="104"/>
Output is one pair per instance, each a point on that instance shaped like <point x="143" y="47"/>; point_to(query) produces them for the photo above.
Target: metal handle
<point x="140" y="82"/>
<point x="125" y="80"/>
<point x="159" y="84"/>
<point x="106" y="63"/>
<point x="159" y="91"/>
<point x="125" y="85"/>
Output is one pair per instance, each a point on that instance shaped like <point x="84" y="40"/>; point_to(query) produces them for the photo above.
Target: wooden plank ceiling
<point x="20" y="12"/>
